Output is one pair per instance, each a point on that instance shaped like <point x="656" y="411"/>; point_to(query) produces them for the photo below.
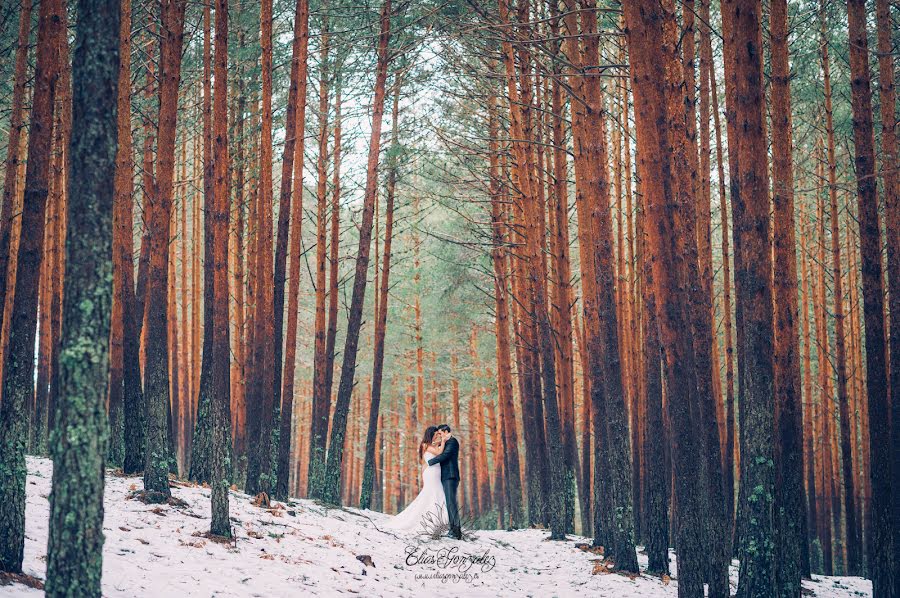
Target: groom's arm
<point x="450" y="449"/>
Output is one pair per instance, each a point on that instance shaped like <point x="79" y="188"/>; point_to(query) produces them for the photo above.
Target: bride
<point x="429" y="509"/>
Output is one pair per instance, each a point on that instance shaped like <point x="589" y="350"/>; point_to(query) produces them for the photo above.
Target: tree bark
<point x="882" y="564"/>
<point x="13" y="151"/>
<point x="261" y="465"/>
<point x="321" y="392"/>
<point x="504" y="367"/>
<point x="156" y="362"/>
<point x="662" y="162"/>
<point x="220" y="425"/>
<point x="728" y="406"/>
<point x="790" y="500"/>
<point x="891" y="179"/>
<point x="654" y="437"/>
<point x="561" y="302"/>
<point x="520" y="100"/>
<point x="753" y="286"/>
<point x="18" y="366"/>
<point x="201" y="442"/>
<point x="79" y="443"/>
<point x="293" y="150"/>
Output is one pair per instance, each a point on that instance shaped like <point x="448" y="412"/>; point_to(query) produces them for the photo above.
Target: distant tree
<point x="330" y="492"/>
<point x="368" y="477"/>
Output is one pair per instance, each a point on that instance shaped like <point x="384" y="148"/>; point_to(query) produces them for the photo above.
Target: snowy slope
<point x="304" y="550"/>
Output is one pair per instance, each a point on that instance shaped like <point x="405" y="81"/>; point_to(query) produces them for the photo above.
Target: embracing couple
<point x="436" y="502"/>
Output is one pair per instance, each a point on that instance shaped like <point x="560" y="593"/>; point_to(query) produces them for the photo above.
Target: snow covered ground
<point x="302" y="549"/>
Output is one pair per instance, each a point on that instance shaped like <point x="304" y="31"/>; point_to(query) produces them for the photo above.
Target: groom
<point x="449" y="460"/>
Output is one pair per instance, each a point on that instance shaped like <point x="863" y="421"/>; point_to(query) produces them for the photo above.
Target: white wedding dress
<point x="429" y="509"/>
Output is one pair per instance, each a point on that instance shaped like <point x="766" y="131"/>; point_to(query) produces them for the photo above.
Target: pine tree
<point x="75" y="548"/>
<point x="369" y="468"/>
<point x="220" y="462"/>
<point x="332" y="475"/>
<point x="753" y="285"/>
<point x="18" y="365"/>
<point x="11" y="178"/>
<point x="156" y="361"/>
<point x="293" y="150"/>
<point x="790" y="499"/>
<point x="883" y="569"/>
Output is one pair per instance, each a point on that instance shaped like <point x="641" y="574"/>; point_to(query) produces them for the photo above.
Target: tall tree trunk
<point x="662" y="162"/>
<point x="156" y="370"/>
<point x="123" y="266"/>
<point x="823" y="364"/>
<point x="808" y="411"/>
<point x="79" y="443"/>
<point x="883" y="565"/>
<point x="790" y="500"/>
<point x="49" y="291"/>
<point x="38" y="412"/>
<point x="382" y="312"/>
<point x="238" y="366"/>
<point x="18" y="366"/>
<point x="13" y="151"/>
<point x="728" y="407"/>
<point x="293" y="150"/>
<point x="612" y="454"/>
<point x="335" y="242"/>
<point x="201" y="443"/>
<point x="520" y="100"/>
<point x="331" y="487"/>
<point x="654" y="437"/>
<point x="753" y="285"/>
<point x="561" y="303"/>
<point x="504" y="367"/>
<point x="260" y="468"/>
<point x="64" y="126"/>
<point x="699" y="264"/>
<point x="220" y="425"/>
<point x="852" y="541"/>
<point x="321" y="393"/>
<point x="891" y="178"/>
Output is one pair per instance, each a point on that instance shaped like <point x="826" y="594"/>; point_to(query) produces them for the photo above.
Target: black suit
<point x="449" y="460"/>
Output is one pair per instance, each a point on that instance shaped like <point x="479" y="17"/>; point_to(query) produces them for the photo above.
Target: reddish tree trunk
<point x="261" y="465"/>
<point x="293" y="150"/>
<point x="504" y="367"/>
<point x="369" y="467"/>
<point x="156" y="359"/>
<point x="11" y="179"/>
<point x="891" y="179"/>
<point x="790" y="500"/>
<point x="883" y="562"/>
<point x="321" y="391"/>
<point x="18" y="366"/>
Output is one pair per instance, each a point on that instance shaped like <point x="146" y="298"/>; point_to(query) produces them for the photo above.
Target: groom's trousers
<point x="450" y="487"/>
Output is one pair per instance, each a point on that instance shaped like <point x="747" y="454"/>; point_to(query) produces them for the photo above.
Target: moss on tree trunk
<point x="78" y="443"/>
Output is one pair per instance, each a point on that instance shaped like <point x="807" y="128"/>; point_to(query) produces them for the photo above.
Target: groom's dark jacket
<point x="449" y="460"/>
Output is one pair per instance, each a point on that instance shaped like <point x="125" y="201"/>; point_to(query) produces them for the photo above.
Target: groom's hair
<point x="444" y="428"/>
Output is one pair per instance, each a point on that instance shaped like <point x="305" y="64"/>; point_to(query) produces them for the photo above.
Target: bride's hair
<point x="426" y="439"/>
